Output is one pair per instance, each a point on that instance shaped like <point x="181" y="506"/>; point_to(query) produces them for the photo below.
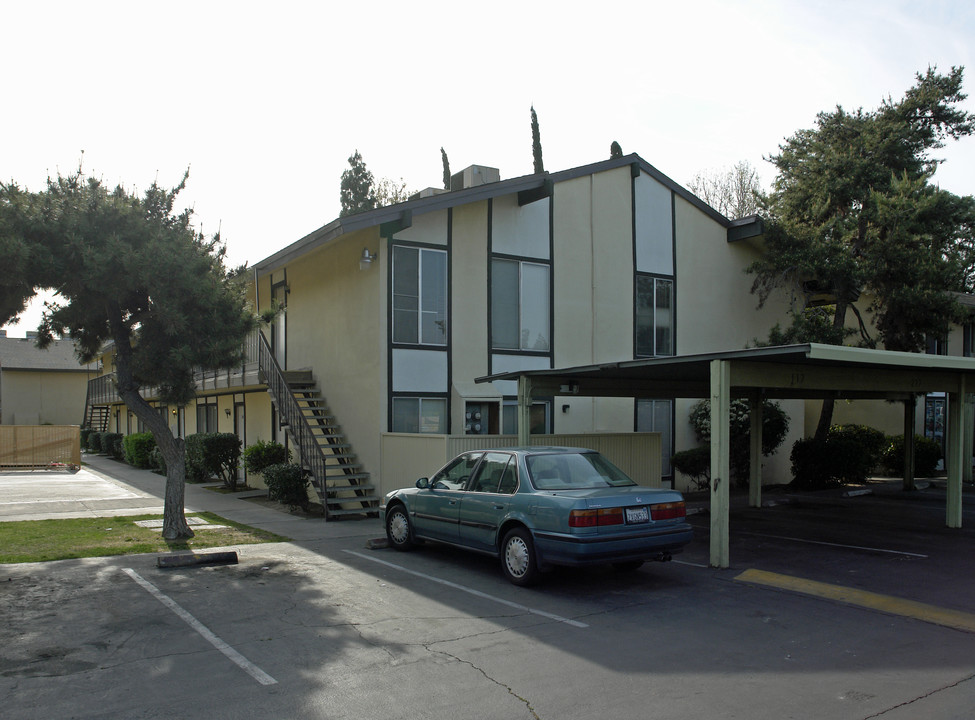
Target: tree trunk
<point x="172" y="448"/>
<point x="173" y="451"/>
<point x="826" y="413"/>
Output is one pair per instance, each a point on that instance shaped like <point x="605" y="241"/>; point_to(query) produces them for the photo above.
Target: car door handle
<point x="452" y="502"/>
<point x="499" y="507"/>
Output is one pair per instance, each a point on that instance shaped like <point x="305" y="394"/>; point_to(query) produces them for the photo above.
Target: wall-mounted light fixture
<point x="227" y="411"/>
<point x="174" y="411"/>
<point x="365" y="260"/>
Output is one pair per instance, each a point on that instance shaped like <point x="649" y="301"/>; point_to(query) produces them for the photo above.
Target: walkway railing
<point x="102" y="389"/>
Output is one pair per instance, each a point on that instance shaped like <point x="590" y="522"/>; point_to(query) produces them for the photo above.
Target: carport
<point x="806" y="372"/>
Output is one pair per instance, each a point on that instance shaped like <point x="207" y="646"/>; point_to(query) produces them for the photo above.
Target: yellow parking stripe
<point x="874" y="601"/>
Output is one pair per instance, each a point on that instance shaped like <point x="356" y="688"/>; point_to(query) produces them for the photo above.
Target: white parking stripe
<point x="830" y="544"/>
<point x="478" y="593"/>
<point x="246" y="665"/>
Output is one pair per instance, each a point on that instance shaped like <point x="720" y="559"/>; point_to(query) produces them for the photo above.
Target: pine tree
<point x="357" y="191"/>
<point x="853" y="215"/>
<point x="446" y="169"/>
<point x="536" y="144"/>
<point x="130" y="271"/>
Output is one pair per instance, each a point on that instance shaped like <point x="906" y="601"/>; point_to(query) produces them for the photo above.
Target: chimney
<point x="473" y="176"/>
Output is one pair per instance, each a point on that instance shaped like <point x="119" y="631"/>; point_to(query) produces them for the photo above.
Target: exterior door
<point x="279" y="295"/>
<point x="241" y="432"/>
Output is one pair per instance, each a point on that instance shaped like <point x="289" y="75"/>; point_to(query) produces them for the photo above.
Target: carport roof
<point x="787" y="371"/>
<point x="810" y="370"/>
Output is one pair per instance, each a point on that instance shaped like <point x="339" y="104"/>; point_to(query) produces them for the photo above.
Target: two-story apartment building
<point x="396" y="311"/>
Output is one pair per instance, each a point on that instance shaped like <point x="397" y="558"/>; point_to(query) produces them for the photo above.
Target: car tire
<point x="628" y="566"/>
<point x="399" y="532"/>
<point x="518" y="561"/>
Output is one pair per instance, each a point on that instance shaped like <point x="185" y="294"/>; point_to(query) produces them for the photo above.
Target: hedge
<point x="138" y="449"/>
<point x="210" y="454"/>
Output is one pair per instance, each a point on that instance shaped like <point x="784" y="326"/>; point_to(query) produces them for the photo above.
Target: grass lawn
<point x="42" y="540"/>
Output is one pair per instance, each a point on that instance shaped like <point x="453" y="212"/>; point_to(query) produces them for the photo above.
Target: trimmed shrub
<point x="775" y="426"/>
<point x="696" y="464"/>
<point x="849" y="454"/>
<point x="288" y="484"/>
<point x="111" y="444"/>
<point x="94" y="442"/>
<point x="927" y="453"/>
<point x="138" y="448"/>
<point x="213" y="454"/>
<point x="264" y="453"/>
<point x="85" y="432"/>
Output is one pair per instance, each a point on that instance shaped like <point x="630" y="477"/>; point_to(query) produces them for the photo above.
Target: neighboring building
<point x="41" y="387"/>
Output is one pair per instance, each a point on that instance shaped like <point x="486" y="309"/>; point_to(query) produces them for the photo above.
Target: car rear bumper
<point x="561" y="549"/>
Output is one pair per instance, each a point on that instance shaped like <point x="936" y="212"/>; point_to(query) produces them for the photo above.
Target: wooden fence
<point x="39" y="446"/>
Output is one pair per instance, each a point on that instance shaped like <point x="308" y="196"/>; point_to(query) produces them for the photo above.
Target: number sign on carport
<point x="810" y="371"/>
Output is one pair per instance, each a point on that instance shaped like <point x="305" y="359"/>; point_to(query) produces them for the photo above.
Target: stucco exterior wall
<point x="29" y="397"/>
<point x="335" y="326"/>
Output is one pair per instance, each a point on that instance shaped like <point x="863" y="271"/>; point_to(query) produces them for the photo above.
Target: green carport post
<point x="955" y="453"/>
<point x="524" y="409"/>
<point x="720" y="462"/>
<point x="756" y="403"/>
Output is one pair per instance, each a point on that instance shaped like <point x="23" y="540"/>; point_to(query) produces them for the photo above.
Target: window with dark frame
<point x="654" y="316"/>
<point x="419" y="296"/>
<point x="520" y="305"/>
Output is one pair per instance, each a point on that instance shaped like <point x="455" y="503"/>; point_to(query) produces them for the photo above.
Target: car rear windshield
<point x="574" y="471"/>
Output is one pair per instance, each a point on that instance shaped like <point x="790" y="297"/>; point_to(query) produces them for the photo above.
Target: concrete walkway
<point x="106" y="487"/>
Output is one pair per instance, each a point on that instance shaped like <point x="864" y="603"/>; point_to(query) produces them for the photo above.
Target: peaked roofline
<point x="540" y="183"/>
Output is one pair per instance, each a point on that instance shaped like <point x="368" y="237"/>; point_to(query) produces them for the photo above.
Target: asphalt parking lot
<point x="833" y="608"/>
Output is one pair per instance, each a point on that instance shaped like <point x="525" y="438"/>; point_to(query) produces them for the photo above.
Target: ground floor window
<point x="206" y="417"/>
<point x="658" y="416"/>
<point x="539" y="424"/>
<point x="419" y="415"/>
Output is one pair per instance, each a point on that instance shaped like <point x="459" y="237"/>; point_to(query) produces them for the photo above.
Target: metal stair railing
<point x="290" y="415"/>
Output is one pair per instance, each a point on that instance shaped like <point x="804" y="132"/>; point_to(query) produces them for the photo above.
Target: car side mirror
<point x="423" y="483"/>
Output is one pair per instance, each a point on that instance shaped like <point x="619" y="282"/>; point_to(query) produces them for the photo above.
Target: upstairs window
<point x="520" y="306"/>
<point x="654" y="316"/>
<point x="419" y="296"/>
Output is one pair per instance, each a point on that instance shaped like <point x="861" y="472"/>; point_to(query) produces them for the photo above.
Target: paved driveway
<point x="41" y="494"/>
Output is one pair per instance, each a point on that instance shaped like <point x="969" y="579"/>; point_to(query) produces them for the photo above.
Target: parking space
<point x="344" y="631"/>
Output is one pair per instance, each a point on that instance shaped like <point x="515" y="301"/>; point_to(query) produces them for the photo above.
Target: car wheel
<point x="398" y="530"/>
<point x="518" y="557"/>
<point x="628" y="566"/>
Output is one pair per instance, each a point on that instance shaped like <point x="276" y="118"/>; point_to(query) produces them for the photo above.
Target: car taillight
<point x="594" y="518"/>
<point x="668" y="511"/>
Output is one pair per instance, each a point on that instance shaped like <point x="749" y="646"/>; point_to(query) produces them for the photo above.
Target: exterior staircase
<point x="343" y="487"/>
<point x="96" y="416"/>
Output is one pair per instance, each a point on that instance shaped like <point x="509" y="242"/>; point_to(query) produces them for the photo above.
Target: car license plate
<point x="637" y="515"/>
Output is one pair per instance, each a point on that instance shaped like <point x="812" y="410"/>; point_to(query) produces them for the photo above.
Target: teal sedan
<point x="535" y="508"/>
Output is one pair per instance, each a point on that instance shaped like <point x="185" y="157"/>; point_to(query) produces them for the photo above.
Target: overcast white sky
<point x="264" y="102"/>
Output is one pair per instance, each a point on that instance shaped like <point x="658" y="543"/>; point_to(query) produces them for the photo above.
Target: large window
<point x="520" y="300"/>
<point x="419" y="415"/>
<point x="419" y="296"/>
<point x="654" y="316"/>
